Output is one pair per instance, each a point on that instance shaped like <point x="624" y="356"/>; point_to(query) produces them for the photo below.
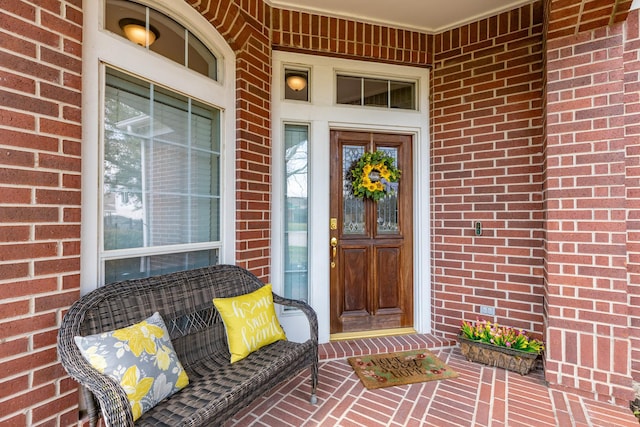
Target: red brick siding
<point x="631" y="60"/>
<point x="586" y="289"/>
<point x="245" y="25"/>
<point x="572" y="17"/>
<point x="40" y="73"/>
<point x="303" y="32"/>
<point x="487" y="166"/>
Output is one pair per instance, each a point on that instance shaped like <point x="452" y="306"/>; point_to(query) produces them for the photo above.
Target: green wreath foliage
<point x="374" y="176"/>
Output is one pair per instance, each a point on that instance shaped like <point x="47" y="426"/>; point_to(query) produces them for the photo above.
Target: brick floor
<point x="480" y="396"/>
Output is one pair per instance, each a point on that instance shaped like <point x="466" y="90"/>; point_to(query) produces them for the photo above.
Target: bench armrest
<point x="112" y="399"/>
<point x="313" y="334"/>
<point x="307" y="310"/>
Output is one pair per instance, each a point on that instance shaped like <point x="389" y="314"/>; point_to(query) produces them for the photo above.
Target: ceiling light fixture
<point x="296" y="82"/>
<point x="136" y="31"/>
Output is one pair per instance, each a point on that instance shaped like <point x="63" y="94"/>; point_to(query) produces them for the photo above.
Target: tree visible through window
<point x="296" y="271"/>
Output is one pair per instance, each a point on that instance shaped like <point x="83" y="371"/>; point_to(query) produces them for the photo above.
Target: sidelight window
<point x="296" y="259"/>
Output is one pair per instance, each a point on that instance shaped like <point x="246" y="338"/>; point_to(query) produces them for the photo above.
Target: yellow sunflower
<point x="383" y="182"/>
<point x="384" y="172"/>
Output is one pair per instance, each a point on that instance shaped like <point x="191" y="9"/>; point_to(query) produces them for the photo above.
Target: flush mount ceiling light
<point x="296" y="82"/>
<point x="136" y="31"/>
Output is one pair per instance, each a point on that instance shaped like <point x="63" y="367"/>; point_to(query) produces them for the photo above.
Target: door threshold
<point x="371" y="334"/>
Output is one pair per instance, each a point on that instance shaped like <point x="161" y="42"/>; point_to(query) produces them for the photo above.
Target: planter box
<point x="518" y="361"/>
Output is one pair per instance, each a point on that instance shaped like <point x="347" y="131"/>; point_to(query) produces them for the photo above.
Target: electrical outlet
<point x="488" y="310"/>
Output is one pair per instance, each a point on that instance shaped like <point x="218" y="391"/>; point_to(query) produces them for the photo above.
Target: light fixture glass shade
<point x="296" y="82"/>
<point x="136" y="31"/>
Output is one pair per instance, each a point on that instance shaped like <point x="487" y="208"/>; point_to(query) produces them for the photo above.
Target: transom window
<point x="161" y="34"/>
<point x="375" y="92"/>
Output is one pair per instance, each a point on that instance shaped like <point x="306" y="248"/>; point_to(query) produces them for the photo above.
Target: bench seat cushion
<point x="218" y="388"/>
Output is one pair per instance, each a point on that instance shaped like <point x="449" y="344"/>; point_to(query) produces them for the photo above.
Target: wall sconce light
<point x="136" y="31"/>
<point x="296" y="82"/>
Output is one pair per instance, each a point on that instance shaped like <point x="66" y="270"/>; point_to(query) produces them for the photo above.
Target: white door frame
<point x="322" y="115"/>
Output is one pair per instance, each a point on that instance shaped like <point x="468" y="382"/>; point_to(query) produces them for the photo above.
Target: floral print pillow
<point x="140" y="358"/>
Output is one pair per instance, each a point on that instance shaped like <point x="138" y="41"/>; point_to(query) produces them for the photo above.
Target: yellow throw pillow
<point x="250" y="321"/>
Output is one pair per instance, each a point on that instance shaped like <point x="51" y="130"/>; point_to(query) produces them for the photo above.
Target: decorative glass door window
<point x="354" y="212"/>
<point x="387" y="209"/>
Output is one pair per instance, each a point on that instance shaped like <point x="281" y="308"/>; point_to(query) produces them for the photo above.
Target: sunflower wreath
<point x="374" y="176"/>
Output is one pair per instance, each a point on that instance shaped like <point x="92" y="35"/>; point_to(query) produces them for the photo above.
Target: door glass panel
<point x="296" y="249"/>
<point x="353" y="207"/>
<point x="387" y="218"/>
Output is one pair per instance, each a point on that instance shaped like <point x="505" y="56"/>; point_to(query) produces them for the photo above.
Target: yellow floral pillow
<point x="140" y="358"/>
<point x="250" y="321"/>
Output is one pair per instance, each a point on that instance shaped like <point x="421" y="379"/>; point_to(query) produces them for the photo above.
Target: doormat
<point x="407" y="367"/>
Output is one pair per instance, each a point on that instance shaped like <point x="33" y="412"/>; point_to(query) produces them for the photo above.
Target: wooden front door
<point x="372" y="265"/>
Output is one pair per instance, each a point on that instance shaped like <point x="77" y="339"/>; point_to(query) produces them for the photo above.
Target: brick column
<point x="40" y="91"/>
<point x="586" y="280"/>
<point x="632" y="143"/>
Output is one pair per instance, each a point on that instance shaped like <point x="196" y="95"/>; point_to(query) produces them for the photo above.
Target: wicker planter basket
<point x="518" y="361"/>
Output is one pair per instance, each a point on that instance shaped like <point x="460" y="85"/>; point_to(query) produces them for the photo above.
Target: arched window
<point x="159" y="33"/>
<point x="161" y="112"/>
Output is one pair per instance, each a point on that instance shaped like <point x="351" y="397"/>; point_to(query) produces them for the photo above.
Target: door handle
<point x="334" y="250"/>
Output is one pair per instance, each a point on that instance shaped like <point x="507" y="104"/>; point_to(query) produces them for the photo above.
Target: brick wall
<point x="487" y="166"/>
<point x="245" y="26"/>
<point x="586" y="289"/>
<point x="631" y="58"/>
<point x="567" y="18"/>
<point x="40" y="75"/>
<point x="307" y="33"/>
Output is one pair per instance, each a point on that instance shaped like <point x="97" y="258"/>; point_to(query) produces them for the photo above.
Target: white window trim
<point x="102" y="47"/>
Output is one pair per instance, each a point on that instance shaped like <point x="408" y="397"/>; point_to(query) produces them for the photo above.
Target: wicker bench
<point x="217" y="389"/>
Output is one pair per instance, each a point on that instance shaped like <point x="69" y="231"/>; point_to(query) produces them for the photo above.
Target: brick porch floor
<point x="480" y="396"/>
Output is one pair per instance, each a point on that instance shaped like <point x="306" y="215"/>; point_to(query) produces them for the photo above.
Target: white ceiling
<point x="430" y="16"/>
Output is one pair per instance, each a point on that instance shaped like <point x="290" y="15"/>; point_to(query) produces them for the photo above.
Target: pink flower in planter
<point x="501" y="336"/>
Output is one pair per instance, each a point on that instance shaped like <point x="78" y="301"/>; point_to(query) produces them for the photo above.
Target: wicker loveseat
<point x="217" y="389"/>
